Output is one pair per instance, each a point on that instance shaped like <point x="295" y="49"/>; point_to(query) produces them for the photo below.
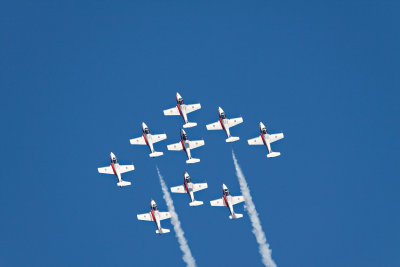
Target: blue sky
<point x="77" y="79"/>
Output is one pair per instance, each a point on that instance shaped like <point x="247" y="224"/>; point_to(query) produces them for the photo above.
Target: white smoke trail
<point x="263" y="246"/>
<point x="187" y="254"/>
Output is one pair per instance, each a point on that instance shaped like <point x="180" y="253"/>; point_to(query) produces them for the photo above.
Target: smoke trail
<point x="263" y="246"/>
<point x="187" y="254"/>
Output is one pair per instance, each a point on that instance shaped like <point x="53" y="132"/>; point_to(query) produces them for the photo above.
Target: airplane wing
<point x="178" y="189"/>
<point x="237" y="200"/>
<point x="171" y="111"/>
<point x="145" y="217"/>
<point x="126" y="168"/>
<point x="275" y="137"/>
<point x="255" y="141"/>
<point x="191" y="108"/>
<point x="235" y="121"/>
<point x="176" y="146"/>
<point x="158" y="137"/>
<point x="138" y="141"/>
<point x="164" y="215"/>
<point x="218" y="202"/>
<point x="200" y="186"/>
<point x="107" y="170"/>
<point x="196" y="144"/>
<point x="214" y="126"/>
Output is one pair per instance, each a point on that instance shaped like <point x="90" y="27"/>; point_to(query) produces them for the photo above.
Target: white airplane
<point x="189" y="188"/>
<point x="155" y="216"/>
<point x="186" y="145"/>
<point x="149" y="139"/>
<point x="117" y="170"/>
<point x="266" y="139"/>
<point x="224" y="124"/>
<point x="228" y="201"/>
<point x="182" y="109"/>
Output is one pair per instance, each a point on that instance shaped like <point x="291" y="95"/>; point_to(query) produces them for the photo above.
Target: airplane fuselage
<point x="265" y="137"/>
<point x="148" y="139"/>
<point x="189" y="189"/>
<point x="156" y="218"/>
<point x="115" y="167"/>
<point x="181" y="107"/>
<point x="228" y="203"/>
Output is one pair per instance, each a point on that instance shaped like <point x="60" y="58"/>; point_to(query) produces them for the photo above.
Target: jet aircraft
<point x="117" y="170"/>
<point x="155" y="216"/>
<point x="224" y="124"/>
<point x="149" y="139"/>
<point x="228" y="201"/>
<point x="266" y="139"/>
<point x="186" y="145"/>
<point x="182" y="110"/>
<point x="189" y="188"/>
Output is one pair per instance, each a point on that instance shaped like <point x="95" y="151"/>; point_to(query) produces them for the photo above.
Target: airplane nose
<point x="144" y="125"/>
<point x="224" y="186"/>
<point x="262" y="125"/>
<point x="112" y="155"/>
<point x="185" y="174"/>
<point x="220" y="110"/>
<point x="178" y="95"/>
<point x="183" y="131"/>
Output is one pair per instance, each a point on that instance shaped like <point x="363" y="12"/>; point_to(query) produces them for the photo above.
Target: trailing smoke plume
<point x="263" y="246"/>
<point x="187" y="254"/>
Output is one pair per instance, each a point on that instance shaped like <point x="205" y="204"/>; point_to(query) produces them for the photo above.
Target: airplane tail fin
<point x="235" y="216"/>
<point x="189" y="125"/>
<point x="123" y="183"/>
<point x="192" y="160"/>
<point x="196" y="203"/>
<point x="232" y="139"/>
<point x="273" y="154"/>
<point x="162" y="231"/>
<point x="156" y="154"/>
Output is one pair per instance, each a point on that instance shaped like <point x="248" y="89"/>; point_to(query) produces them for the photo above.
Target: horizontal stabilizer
<point x="123" y="183"/>
<point x="235" y="216"/>
<point x="192" y="160"/>
<point x="156" y="154"/>
<point x="196" y="203"/>
<point x="189" y="125"/>
<point x="162" y="231"/>
<point x="232" y="139"/>
<point x="273" y="154"/>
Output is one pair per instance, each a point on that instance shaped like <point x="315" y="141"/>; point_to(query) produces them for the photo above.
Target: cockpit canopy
<point x="146" y="131"/>
<point x="226" y="192"/>
<point x="264" y="131"/>
<point x="187" y="179"/>
<point x="154" y="207"/>
<point x="114" y="160"/>
<point x="223" y="116"/>
<point x="184" y="137"/>
<point x="180" y="101"/>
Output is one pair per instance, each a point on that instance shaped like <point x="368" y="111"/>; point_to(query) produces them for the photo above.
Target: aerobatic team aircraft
<point x="189" y="188"/>
<point x="182" y="110"/>
<point x="155" y="216"/>
<point x="266" y="139"/>
<point x="117" y="170"/>
<point x="149" y="139"/>
<point x="186" y="145"/>
<point x="228" y="201"/>
<point x="224" y="124"/>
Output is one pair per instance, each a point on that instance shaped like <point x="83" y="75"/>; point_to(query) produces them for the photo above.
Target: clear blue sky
<point x="77" y="79"/>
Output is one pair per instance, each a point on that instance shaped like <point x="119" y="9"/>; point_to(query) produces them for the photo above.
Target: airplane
<point x="224" y="124"/>
<point x="117" y="170"/>
<point x="155" y="216"/>
<point x="266" y="139"/>
<point x="189" y="188"/>
<point x="228" y="201"/>
<point x="186" y="145"/>
<point x="182" y="109"/>
<point x="149" y="139"/>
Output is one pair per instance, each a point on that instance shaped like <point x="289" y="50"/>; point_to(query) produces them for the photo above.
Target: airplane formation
<point x="187" y="146"/>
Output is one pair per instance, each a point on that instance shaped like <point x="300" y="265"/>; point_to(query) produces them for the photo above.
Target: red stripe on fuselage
<point x="152" y="215"/>
<point x="113" y="168"/>
<point x="222" y="125"/>
<point x="262" y="137"/>
<point x="183" y="145"/>
<point x="145" y="139"/>
<point x="179" y="109"/>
